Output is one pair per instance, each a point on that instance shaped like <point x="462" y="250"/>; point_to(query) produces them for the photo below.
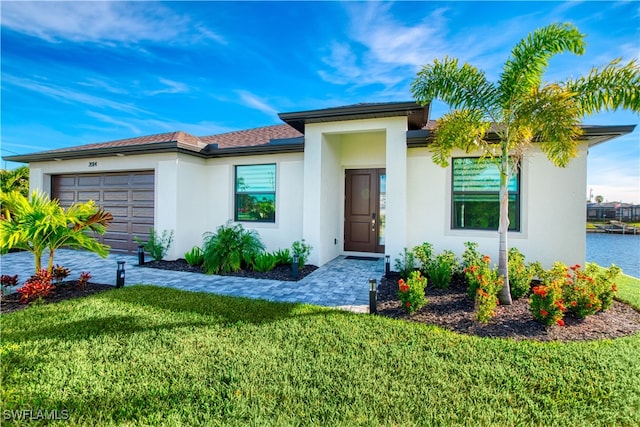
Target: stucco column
<point x="166" y="203"/>
<point x="396" y="167"/>
<point x="312" y="192"/>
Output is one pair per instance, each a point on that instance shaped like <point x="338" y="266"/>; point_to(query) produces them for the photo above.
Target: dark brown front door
<point x="364" y="202"/>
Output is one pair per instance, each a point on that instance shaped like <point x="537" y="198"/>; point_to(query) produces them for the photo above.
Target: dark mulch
<point x="281" y="272"/>
<point x="63" y="291"/>
<point x="452" y="309"/>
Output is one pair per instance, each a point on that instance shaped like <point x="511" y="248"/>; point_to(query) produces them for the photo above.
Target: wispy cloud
<point x="116" y="122"/>
<point x="67" y="95"/>
<point x="103" y="22"/>
<point x="170" y="87"/>
<point x="255" y="102"/>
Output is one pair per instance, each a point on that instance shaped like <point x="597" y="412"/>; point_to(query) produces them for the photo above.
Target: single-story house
<point x="613" y="210"/>
<point x="351" y="180"/>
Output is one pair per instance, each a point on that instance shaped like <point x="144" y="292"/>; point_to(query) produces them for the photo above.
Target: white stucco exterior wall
<point x="552" y="209"/>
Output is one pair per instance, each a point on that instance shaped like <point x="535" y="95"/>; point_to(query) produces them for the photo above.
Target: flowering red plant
<point x="411" y="292"/>
<point x="546" y="303"/>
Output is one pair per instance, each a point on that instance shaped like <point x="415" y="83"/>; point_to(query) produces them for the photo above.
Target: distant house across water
<point x="613" y="210"/>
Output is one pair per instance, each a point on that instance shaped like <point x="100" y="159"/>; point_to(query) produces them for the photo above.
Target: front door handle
<point x="373" y="222"/>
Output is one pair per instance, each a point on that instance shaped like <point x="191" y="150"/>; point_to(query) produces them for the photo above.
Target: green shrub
<point x="472" y="261"/>
<point x="520" y="275"/>
<point x="424" y="254"/>
<point x="157" y="246"/>
<point x="194" y="257"/>
<point x="302" y="250"/>
<point x="405" y="264"/>
<point x="411" y="292"/>
<point x="441" y="269"/>
<point x="485" y="283"/>
<point x="265" y="262"/>
<point x="546" y="303"/>
<point x="283" y="257"/>
<point x="230" y="248"/>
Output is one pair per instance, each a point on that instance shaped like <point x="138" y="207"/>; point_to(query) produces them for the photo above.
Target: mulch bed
<point x="63" y="291"/>
<point x="452" y="309"/>
<point x="281" y="272"/>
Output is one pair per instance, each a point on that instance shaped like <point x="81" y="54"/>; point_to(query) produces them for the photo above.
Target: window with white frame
<point x="475" y="195"/>
<point x="255" y="193"/>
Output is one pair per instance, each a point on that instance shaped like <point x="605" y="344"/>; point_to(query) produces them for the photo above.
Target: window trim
<point x="236" y="192"/>
<point x="517" y="227"/>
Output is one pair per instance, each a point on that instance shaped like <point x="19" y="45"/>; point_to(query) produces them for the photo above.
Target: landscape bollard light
<point x="141" y="255"/>
<point x="120" y="275"/>
<point x="387" y="266"/>
<point x="372" y="297"/>
<point x="294" y="266"/>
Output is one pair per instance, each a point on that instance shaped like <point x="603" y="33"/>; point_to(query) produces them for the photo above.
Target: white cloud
<point x="118" y="123"/>
<point x="102" y="22"/>
<point x="170" y="87"/>
<point x="255" y="102"/>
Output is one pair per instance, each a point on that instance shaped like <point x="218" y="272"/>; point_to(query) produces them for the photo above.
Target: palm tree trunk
<point x="503" y="260"/>
<point x="50" y="265"/>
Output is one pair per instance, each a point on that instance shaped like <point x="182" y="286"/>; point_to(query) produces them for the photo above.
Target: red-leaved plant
<point x="37" y="286"/>
<point x="59" y="273"/>
<point x="84" y="278"/>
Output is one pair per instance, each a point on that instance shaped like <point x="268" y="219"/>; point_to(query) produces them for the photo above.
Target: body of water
<point x="606" y="249"/>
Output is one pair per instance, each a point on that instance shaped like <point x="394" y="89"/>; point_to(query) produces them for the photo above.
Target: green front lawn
<point x="150" y="355"/>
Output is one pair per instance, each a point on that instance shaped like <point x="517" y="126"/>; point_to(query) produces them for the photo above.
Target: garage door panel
<point x="89" y="181"/>
<point x="116" y="196"/>
<point x="129" y="197"/>
<point x="116" y="180"/>
<point x="85" y="196"/>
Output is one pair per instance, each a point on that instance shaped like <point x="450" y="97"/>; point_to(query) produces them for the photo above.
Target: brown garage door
<point x="128" y="196"/>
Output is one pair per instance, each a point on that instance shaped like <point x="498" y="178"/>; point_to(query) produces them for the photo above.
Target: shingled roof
<point x="252" y="137"/>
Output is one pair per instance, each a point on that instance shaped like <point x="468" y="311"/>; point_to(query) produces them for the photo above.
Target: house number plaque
<point x="93" y="164"/>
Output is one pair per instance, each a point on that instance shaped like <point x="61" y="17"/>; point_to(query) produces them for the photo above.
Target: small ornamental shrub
<point x="411" y="292"/>
<point x="486" y="283"/>
<point x="586" y="292"/>
<point x="157" y="246"/>
<point x="520" y="275"/>
<point x="424" y="255"/>
<point x="230" y="249"/>
<point x="36" y="287"/>
<point x="471" y="263"/>
<point x="7" y="281"/>
<point x="83" y="280"/>
<point x="264" y="262"/>
<point x="441" y="269"/>
<point x="195" y="257"/>
<point x="546" y="303"/>
<point x="405" y="265"/>
<point x="302" y="250"/>
<point x="283" y="257"/>
<point x="59" y="273"/>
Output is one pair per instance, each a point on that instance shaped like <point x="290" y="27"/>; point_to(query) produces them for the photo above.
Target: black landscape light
<point x="120" y="275"/>
<point x="372" y="296"/>
<point x="387" y="266"/>
<point x="294" y="266"/>
<point x="141" y="255"/>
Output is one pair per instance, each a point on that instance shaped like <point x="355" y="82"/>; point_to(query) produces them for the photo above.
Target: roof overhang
<point x="274" y="146"/>
<point x="593" y="134"/>
<point x="417" y="114"/>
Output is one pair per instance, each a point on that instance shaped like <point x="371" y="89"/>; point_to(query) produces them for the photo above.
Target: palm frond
<point x="608" y="88"/>
<point x="530" y="58"/>
<point x="464" y="129"/>
<point x="462" y="87"/>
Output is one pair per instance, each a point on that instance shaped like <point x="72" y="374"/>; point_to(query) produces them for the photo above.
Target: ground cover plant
<point x="149" y="355"/>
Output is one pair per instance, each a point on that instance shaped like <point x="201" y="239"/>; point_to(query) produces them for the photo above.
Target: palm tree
<point x="520" y="109"/>
<point x="38" y="223"/>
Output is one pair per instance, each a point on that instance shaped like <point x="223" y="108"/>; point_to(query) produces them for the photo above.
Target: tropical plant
<point x="157" y="245"/>
<point x="546" y="303"/>
<point x="38" y="223"/>
<point x="520" y="274"/>
<point x="283" y="257"/>
<point x="84" y="278"/>
<point x="405" y="265"/>
<point x="230" y="248"/>
<point x="441" y="269"/>
<point x="424" y="254"/>
<point x="411" y="292"/>
<point x="195" y="256"/>
<point x="59" y="273"/>
<point x="36" y="287"/>
<point x="520" y="109"/>
<point x="264" y="261"/>
<point x="302" y="250"/>
<point x="15" y="180"/>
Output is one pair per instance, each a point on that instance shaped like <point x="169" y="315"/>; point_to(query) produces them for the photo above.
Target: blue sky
<point x="82" y="72"/>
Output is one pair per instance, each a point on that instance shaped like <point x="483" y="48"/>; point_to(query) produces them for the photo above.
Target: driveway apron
<point x="341" y="283"/>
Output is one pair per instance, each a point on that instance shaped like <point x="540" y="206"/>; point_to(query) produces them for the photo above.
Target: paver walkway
<point x="341" y="283"/>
